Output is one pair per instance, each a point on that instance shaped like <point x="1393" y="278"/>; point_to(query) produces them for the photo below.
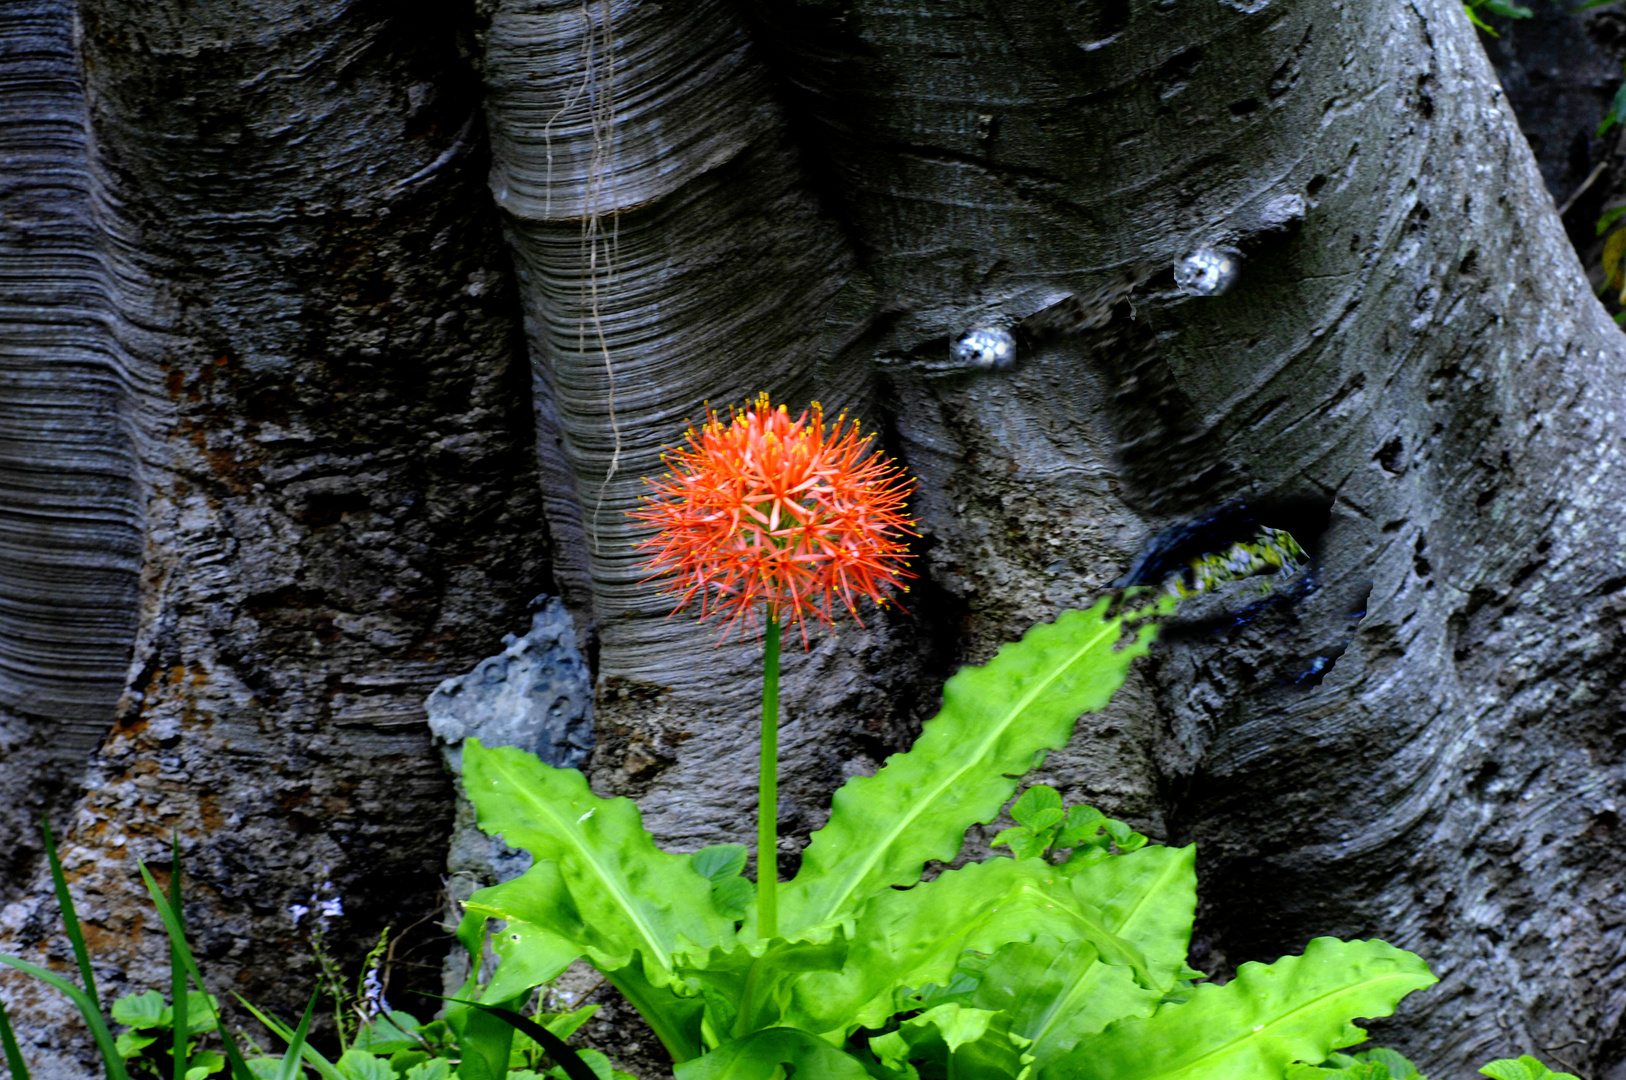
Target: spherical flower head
<point x="778" y="516"/>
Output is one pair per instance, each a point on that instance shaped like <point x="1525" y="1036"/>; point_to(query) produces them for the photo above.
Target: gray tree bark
<point x="284" y="302"/>
<point x="305" y="429"/>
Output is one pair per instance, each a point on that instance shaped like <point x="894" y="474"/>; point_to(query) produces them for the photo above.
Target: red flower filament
<point x="774" y="513"/>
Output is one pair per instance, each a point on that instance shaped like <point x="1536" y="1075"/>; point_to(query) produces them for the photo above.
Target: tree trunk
<point x="308" y="335"/>
<point x="295" y="299"/>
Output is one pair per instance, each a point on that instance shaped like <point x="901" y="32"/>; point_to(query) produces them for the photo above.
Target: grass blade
<point x="87" y="1009"/>
<point x="289" y="1069"/>
<point x="70" y="917"/>
<point x="177" y="967"/>
<point x="14" y="1056"/>
<point x="324" y="1068"/>
<point x="177" y="941"/>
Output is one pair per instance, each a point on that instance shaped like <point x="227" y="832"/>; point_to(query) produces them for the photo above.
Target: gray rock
<point x="537" y="695"/>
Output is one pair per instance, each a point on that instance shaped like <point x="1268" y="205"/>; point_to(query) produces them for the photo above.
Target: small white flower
<point x="332" y="909"/>
<point x="297" y="912"/>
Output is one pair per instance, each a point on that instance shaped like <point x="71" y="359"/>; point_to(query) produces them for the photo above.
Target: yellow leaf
<point x="1614" y="254"/>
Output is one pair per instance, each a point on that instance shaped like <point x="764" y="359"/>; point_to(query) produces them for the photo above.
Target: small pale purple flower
<point x="372" y="994"/>
<point x="297" y="912"/>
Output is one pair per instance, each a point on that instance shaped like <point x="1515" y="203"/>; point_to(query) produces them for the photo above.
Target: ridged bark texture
<point x="671" y="254"/>
<point x="70" y="521"/>
<point x="1422" y="745"/>
<point x="327" y="394"/>
<point x="302" y="401"/>
<point x="1410" y="376"/>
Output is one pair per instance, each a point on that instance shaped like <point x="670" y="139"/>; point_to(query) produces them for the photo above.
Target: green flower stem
<point x="768" y="790"/>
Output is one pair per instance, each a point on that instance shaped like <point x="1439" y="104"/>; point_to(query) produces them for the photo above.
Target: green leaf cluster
<point x="1042" y="826"/>
<point x="1382" y="1063"/>
<point x="1040" y="965"/>
<point x="475" y="1040"/>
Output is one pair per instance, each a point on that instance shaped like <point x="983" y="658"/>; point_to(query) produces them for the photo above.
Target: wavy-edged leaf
<point x="752" y="983"/>
<point x="965" y="1043"/>
<point x="761" y="1054"/>
<point x="1148" y="898"/>
<point x="995" y="722"/>
<point x="1300" y="1008"/>
<point x="599" y="880"/>
<point x="1058" y="992"/>
<point x="917" y="936"/>
<point x="1055" y="994"/>
<point x="675" y="1019"/>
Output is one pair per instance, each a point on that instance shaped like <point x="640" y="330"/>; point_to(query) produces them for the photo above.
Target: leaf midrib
<point x="1264" y="1029"/>
<point x="656" y="949"/>
<point x="877" y="850"/>
<point x="1055" y="1012"/>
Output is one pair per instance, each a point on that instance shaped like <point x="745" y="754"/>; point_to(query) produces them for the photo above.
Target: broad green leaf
<point x="722" y="865"/>
<point x="1039" y="807"/>
<point x="593" y="859"/>
<point x="1393" y="1062"/>
<point x="1085" y="825"/>
<point x="917" y="936"/>
<point x="666" y="1006"/>
<point x="131" y="1043"/>
<point x="996" y="722"/>
<point x="388" y="1034"/>
<point x="1522" y="1068"/>
<point x="754" y="980"/>
<point x="1149" y="899"/>
<point x="142" y="1011"/>
<point x="956" y="1041"/>
<point x="1023" y="842"/>
<point x="1055" y="994"/>
<point x="760" y="1055"/>
<point x="361" y="1065"/>
<point x="433" y="1069"/>
<point x="1297" y="1009"/>
<point x="719" y="861"/>
<point x="484" y="1039"/>
<point x="1378" y="1063"/>
<point x="207" y="1063"/>
<point x="527" y="957"/>
<point x="675" y="1019"/>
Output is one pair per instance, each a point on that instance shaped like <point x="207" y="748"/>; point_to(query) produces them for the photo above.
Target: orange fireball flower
<point x="776" y="513"/>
